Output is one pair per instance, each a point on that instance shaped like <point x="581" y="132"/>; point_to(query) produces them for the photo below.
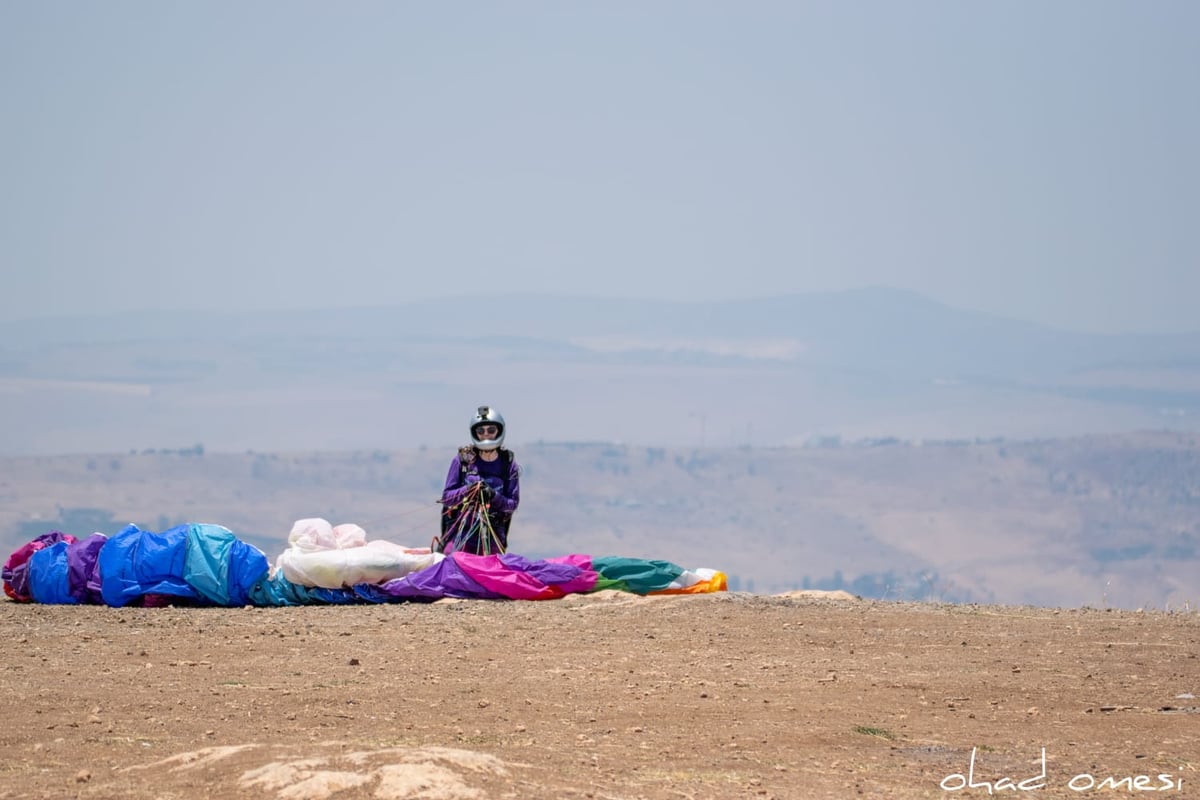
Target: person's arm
<point x="456" y="489"/>
<point x="507" y="505"/>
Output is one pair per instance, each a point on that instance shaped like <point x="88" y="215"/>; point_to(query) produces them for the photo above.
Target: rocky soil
<point x="602" y="696"/>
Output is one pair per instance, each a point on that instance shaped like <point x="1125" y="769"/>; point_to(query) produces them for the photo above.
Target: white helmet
<point x="486" y="415"/>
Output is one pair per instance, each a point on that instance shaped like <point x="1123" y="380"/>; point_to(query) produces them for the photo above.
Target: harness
<point x="450" y="514"/>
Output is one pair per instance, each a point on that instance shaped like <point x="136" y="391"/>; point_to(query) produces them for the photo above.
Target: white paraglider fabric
<point x="322" y="555"/>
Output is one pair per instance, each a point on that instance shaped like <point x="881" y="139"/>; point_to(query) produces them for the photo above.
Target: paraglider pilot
<point x="482" y="490"/>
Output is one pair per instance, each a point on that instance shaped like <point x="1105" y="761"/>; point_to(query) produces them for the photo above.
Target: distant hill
<point x="1098" y="520"/>
<point x="860" y="327"/>
<point x="782" y="370"/>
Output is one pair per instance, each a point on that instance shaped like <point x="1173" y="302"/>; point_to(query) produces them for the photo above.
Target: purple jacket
<point x="467" y="469"/>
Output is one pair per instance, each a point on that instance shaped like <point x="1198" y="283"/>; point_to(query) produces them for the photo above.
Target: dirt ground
<point x="602" y="696"/>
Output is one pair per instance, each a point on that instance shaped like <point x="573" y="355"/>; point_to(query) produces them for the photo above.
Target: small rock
<point x="83" y="776"/>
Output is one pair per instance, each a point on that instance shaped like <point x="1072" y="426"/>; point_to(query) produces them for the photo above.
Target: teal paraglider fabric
<point x="220" y="567"/>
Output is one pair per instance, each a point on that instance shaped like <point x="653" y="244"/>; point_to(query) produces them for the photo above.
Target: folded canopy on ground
<point x="204" y="564"/>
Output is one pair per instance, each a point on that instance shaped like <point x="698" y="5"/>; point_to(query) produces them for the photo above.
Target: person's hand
<point x="487" y="492"/>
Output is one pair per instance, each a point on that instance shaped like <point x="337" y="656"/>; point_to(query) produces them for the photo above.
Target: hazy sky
<point x="1034" y="159"/>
